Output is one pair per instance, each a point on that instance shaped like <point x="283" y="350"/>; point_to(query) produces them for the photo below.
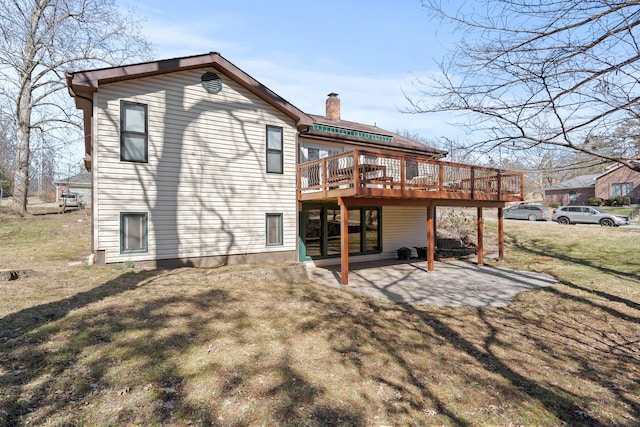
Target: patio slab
<point x="452" y="283"/>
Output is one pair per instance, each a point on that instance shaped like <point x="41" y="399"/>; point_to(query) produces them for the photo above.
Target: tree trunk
<point x="23" y="112"/>
<point x="21" y="175"/>
<point x="23" y="149"/>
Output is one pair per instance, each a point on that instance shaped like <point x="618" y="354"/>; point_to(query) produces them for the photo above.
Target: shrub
<point x="619" y="200"/>
<point x="456" y="224"/>
<point x="626" y="200"/>
<point x="555" y="204"/>
<point x="609" y="202"/>
<point x="595" y="201"/>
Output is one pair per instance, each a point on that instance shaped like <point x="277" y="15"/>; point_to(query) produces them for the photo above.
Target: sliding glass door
<point x="320" y="231"/>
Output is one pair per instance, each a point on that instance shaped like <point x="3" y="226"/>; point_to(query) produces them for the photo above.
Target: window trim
<point x="146" y="233"/>
<point x="273" y="150"/>
<point x="124" y="132"/>
<point x="267" y="234"/>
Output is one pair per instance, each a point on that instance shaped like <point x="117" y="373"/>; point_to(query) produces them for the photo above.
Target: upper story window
<point x="133" y="132"/>
<point x="274" y="149"/>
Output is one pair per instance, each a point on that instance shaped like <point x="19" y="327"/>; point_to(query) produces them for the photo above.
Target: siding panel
<point x="205" y="186"/>
<point x="403" y="226"/>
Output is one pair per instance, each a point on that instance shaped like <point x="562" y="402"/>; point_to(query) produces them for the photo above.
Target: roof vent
<point x="211" y="82"/>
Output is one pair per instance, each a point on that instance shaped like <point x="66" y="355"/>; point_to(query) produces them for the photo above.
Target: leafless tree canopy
<point x="556" y="74"/>
<point x="39" y="40"/>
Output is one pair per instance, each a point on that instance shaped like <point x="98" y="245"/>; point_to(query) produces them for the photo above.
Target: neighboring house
<point x="616" y="181"/>
<point x="194" y="162"/>
<point x="80" y="184"/>
<point x="575" y="191"/>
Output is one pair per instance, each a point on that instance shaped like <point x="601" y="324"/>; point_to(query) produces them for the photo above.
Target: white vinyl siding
<point x="205" y="185"/>
<point x="403" y="226"/>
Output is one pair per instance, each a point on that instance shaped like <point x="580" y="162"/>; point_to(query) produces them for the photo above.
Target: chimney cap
<point x="332" y="95"/>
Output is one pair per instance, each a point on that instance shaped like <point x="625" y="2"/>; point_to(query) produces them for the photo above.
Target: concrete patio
<point x="452" y="283"/>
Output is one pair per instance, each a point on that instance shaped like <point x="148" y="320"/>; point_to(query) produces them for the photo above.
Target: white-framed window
<point x="134" y="143"/>
<point x="274" y="149"/>
<point x="573" y="196"/>
<point x="274" y="229"/>
<point x="134" y="228"/>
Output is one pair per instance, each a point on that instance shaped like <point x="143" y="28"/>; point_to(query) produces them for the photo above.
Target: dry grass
<point x="93" y="345"/>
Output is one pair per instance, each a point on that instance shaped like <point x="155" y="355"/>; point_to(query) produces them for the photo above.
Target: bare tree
<point x="7" y="152"/>
<point x="39" y="39"/>
<point x="550" y="74"/>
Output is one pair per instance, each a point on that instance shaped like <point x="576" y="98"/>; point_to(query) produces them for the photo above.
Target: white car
<point x="588" y="215"/>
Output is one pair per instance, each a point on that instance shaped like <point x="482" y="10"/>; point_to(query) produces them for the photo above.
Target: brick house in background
<point x="617" y="180"/>
<point x="575" y="191"/>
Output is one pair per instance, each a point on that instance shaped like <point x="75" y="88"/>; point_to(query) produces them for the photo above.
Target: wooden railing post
<point x="403" y="172"/>
<point x="473" y="183"/>
<point x="440" y="177"/>
<point x="499" y="189"/>
<point x="325" y="178"/>
<point x="356" y="169"/>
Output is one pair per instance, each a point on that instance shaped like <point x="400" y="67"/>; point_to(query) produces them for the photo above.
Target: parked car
<point x="70" y="200"/>
<point x="528" y="211"/>
<point x="588" y="215"/>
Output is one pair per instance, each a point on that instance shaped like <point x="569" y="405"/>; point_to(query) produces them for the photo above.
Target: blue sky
<point x="369" y="52"/>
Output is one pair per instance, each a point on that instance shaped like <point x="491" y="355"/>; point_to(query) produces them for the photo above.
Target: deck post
<point x="480" y="239"/>
<point x="500" y="234"/>
<point x="344" y="242"/>
<point x="430" y="234"/>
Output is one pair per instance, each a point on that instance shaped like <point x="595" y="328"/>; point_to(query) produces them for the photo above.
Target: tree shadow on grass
<point x="130" y="351"/>
<point x="570" y="407"/>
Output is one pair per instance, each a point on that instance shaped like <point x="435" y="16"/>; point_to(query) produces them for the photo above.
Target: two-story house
<point x="194" y="162"/>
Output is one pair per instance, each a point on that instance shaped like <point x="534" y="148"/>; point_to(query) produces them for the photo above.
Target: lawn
<point x="101" y="346"/>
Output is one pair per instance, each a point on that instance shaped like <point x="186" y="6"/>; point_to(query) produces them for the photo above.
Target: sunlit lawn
<point x="94" y="345"/>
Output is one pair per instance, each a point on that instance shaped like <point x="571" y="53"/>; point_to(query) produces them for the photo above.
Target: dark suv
<point x="587" y="215"/>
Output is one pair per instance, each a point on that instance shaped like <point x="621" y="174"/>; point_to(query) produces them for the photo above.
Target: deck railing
<point x="370" y="174"/>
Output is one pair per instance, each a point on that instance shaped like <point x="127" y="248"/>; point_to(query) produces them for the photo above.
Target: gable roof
<point x="87" y="82"/>
<point x="365" y="135"/>
<point x="83" y="84"/>
<point x="582" y="181"/>
<point x="616" y="166"/>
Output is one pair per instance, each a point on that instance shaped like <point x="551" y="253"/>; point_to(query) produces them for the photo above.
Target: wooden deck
<point x="404" y="177"/>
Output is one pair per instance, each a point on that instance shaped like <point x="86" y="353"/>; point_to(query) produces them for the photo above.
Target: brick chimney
<point x="333" y="106"/>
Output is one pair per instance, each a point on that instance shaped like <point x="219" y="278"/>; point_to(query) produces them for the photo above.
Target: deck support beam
<point x="480" y="238"/>
<point x="430" y="238"/>
<point x="344" y="242"/>
<point x="500" y="234"/>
